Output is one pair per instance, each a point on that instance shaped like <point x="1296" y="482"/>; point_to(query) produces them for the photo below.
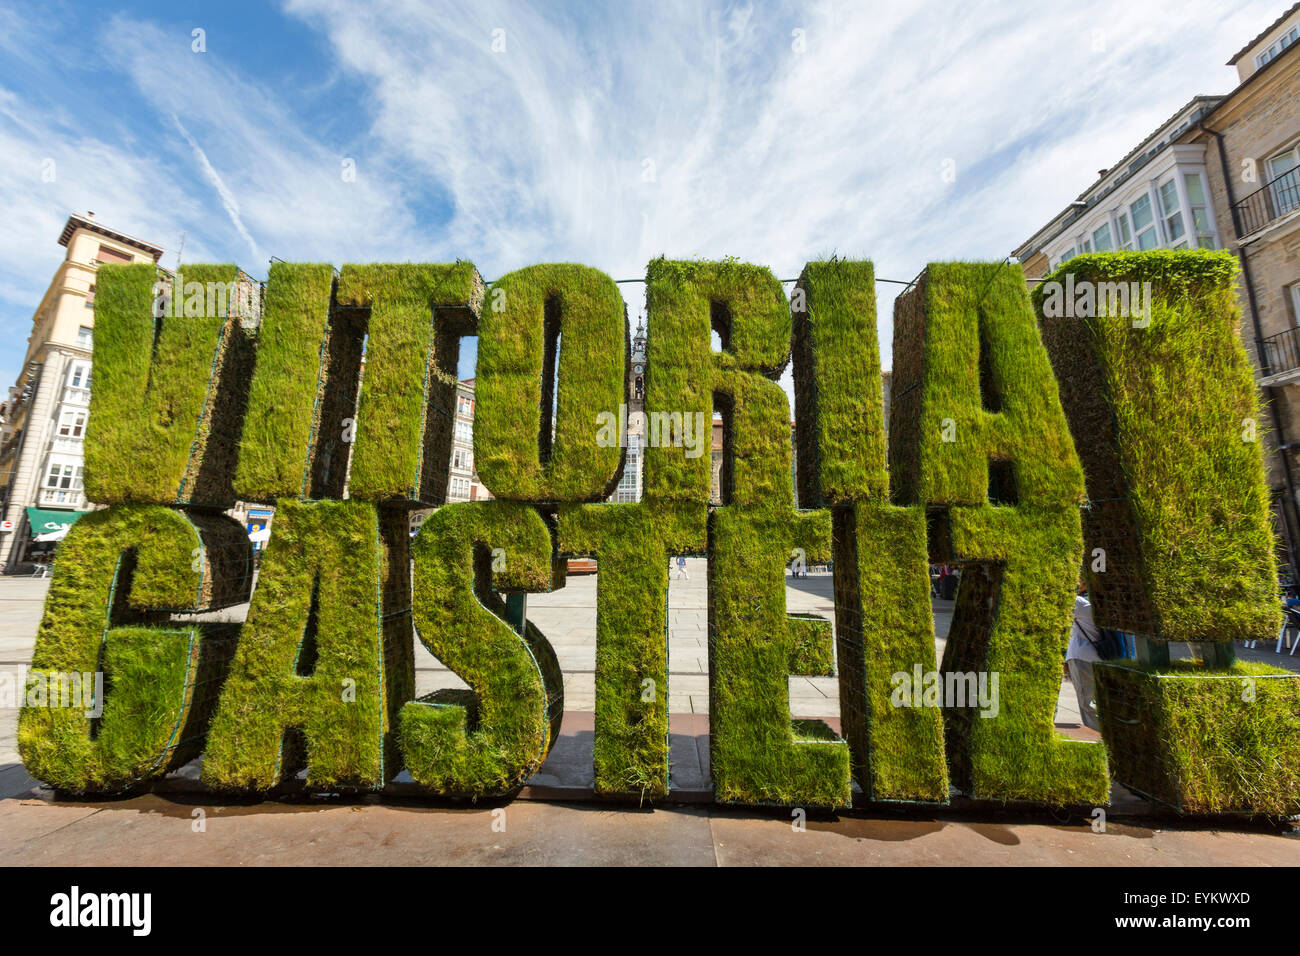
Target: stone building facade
<point x="630" y="485"/>
<point x="1252" y="139"/>
<point x="43" y="420"/>
<point x="1222" y="173"/>
<point x="463" y="483"/>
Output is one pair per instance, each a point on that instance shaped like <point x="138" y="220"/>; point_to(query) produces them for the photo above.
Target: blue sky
<point x="605" y="134"/>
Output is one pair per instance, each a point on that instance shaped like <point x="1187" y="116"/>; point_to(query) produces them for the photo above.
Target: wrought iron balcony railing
<point x="1267" y="204"/>
<point x="1281" y="353"/>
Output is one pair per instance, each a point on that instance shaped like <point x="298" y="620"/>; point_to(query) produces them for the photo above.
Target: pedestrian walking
<point x="1089" y="644"/>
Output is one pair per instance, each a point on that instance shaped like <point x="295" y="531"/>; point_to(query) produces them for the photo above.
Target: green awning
<point x="43" y="520"/>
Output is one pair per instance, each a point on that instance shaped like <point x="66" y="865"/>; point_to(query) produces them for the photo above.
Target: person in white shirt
<point x="1085" y="638"/>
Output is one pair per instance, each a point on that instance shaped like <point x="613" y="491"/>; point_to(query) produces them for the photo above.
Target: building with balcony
<point x="1252" y="138"/>
<point x="1222" y="173"/>
<point x="43" y="420"/>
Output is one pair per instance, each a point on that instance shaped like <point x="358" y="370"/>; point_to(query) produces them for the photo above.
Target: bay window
<point x="79" y="375"/>
<point x="1173" y="214"/>
<point x="1144" y="223"/>
<point x="1101" y="238"/>
<point x="1125" y="233"/>
<point x="1199" y="210"/>
<point x="71" y="424"/>
<point x="64" y="474"/>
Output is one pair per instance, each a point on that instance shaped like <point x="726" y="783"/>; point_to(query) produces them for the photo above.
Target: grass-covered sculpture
<point x="633" y="543"/>
<point x="838" y="399"/>
<point x="414" y="316"/>
<point x="1184" y="523"/>
<point x="552" y="358"/>
<point x="758" y="754"/>
<point x="883" y="619"/>
<point x="1162" y="402"/>
<point x="551" y="369"/>
<point x="345" y="424"/>
<point x="120" y="575"/>
<point x="303" y="396"/>
<point x="487" y="740"/>
<point x="324" y="658"/>
<point x="171" y="370"/>
<point x="977" y="435"/>
<point x="1204" y="740"/>
<point x="885" y="628"/>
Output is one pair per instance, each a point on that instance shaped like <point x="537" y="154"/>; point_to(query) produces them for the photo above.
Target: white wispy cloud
<point x="51" y="168"/>
<point x="609" y="134"/>
<point x="762" y="146"/>
<point x="292" y="198"/>
<point x="228" y="201"/>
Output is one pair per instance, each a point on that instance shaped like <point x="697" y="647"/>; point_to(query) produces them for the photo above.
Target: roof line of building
<point x="1267" y="30"/>
<point x="1226" y="98"/>
<point x="76" y="222"/>
<point x="1135" y="151"/>
<point x="1217" y="103"/>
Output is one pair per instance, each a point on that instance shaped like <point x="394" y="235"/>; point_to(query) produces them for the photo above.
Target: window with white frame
<point x="462" y="459"/>
<point x="629" y="485"/>
<point x="85" y="337"/>
<point x="464" y="432"/>
<point x="465" y="405"/>
<point x="72" y="424"/>
<point x="1101" y="240"/>
<point x="1171" y="209"/>
<point x="1286" y="191"/>
<point x="79" y="375"/>
<point x="1278" y="45"/>
<point x="1199" y="210"/>
<point x="1295" y="302"/>
<point x="1144" y="223"/>
<point x="64" y="474"/>
<point x="1125" y="233"/>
